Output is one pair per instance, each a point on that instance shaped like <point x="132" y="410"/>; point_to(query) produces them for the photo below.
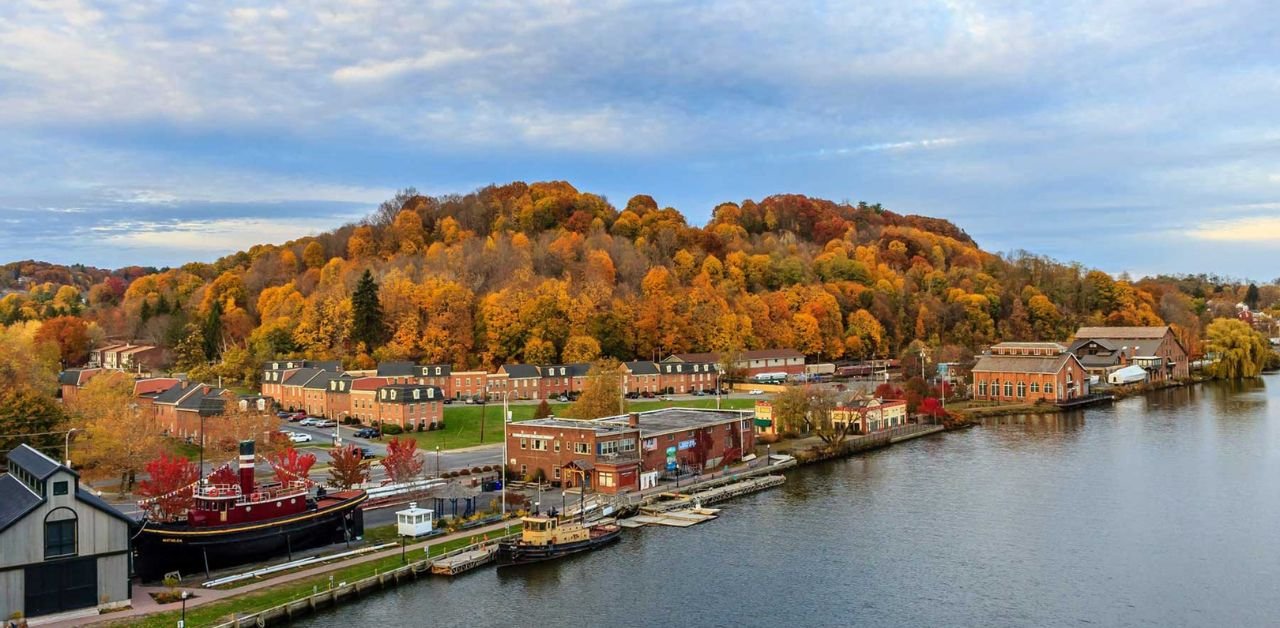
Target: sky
<point x="1139" y="137"/>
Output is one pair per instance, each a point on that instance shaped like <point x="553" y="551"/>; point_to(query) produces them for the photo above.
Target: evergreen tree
<point x="1251" y="297"/>
<point x="189" y="352"/>
<point x="542" y="411"/>
<point x="366" y="321"/>
<point x="213" y="330"/>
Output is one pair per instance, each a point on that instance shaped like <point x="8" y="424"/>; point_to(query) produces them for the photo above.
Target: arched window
<point x="1022" y="389"/>
<point x="60" y="533"/>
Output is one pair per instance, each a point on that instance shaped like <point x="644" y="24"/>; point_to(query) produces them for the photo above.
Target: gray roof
<point x="677" y="419"/>
<point x="520" y="371"/>
<point x="1105" y="343"/>
<point x="70" y="377"/>
<point x="321" y="380"/>
<point x="1123" y="332"/>
<point x="16" y="500"/>
<point x="409" y="369"/>
<point x="641" y="368"/>
<point x="599" y="426"/>
<point x="301" y="376"/>
<point x="175" y="393"/>
<point x="33" y="461"/>
<point x="1021" y="363"/>
<point x="566" y="370"/>
<point x="689" y="367"/>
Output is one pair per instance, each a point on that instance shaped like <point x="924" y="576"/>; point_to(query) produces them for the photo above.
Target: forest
<point x="545" y="273"/>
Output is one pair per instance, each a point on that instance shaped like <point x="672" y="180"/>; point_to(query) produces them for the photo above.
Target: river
<point x="1155" y="511"/>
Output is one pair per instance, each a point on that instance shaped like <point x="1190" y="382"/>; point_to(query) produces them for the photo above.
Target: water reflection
<point x="1040" y="423"/>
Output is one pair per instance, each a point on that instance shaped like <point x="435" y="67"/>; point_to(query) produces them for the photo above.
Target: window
<point x="524" y="443"/>
<point x="60" y="536"/>
<point x="557" y="445"/>
<point x="524" y="470"/>
<point x="1035" y="387"/>
<point x="1008" y="389"/>
<point x="626" y="445"/>
<point x="555" y="473"/>
<point x="982" y="388"/>
<point x="539" y="445"/>
<point x="606" y="480"/>
<point x="1022" y="389"/>
<point x="60" y="488"/>
<point x="581" y="448"/>
<point x="1048" y="388"/>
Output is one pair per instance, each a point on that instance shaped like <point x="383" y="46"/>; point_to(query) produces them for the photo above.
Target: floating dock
<point x="465" y="561"/>
<point x="675" y="518"/>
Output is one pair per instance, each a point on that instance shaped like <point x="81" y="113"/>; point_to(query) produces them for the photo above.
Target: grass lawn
<point x="462" y="422"/>
<point x="216" y="612"/>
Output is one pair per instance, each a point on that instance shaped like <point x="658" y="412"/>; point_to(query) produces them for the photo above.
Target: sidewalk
<point x="143" y="604"/>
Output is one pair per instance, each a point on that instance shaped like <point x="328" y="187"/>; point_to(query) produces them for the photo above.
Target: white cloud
<point x="1257" y="229"/>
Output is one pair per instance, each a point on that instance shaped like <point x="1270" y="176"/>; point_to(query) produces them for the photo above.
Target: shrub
<point x="421" y="427"/>
<point x="465" y="472"/>
<point x="392" y="428"/>
<point x="477" y="470"/>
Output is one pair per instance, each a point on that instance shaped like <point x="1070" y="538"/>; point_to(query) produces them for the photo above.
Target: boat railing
<point x="218" y="490"/>
<point x="292" y="488"/>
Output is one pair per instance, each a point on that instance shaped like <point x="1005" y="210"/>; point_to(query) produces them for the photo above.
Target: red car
<point x="297" y="416"/>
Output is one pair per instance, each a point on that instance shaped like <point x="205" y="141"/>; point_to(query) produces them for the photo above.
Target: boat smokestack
<point x="246" y="467"/>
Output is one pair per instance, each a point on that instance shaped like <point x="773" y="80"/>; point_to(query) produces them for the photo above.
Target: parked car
<point x="469" y="400"/>
<point x="284" y="415"/>
<point x="367" y="432"/>
<point x="365" y="452"/>
<point x="647" y="395"/>
<point x="297" y="416"/>
<point x="633" y="395"/>
<point x="299" y="437"/>
<point x="698" y="393"/>
<point x="448" y="400"/>
<point x="309" y="422"/>
<point x="756" y="391"/>
<point x="326" y="423"/>
<point x="562" y="399"/>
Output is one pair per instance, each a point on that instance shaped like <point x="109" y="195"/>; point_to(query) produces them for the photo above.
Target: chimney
<point x="246" y="467"/>
<point x="633" y="420"/>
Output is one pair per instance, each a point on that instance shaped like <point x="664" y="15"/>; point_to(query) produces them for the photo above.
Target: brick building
<point x="71" y="381"/>
<point x="693" y="440"/>
<point x="1156" y="349"/>
<point x="685" y="377"/>
<point x="640" y="377"/>
<point x="604" y="453"/>
<point x="866" y="414"/>
<point x="521" y="381"/>
<point x="562" y="379"/>
<point x="411" y="406"/>
<point x="468" y="385"/>
<point x="1028" y="372"/>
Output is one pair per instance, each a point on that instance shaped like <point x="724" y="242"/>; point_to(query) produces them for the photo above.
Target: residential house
<point x="128" y="356"/>
<point x="563" y="379"/>
<point x="71" y="380"/>
<point x="468" y="385"/>
<point x="62" y="548"/>
<point x="1154" y="348"/>
<point x="292" y="395"/>
<point x="517" y="381"/>
<point x="411" y="406"/>
<point x="315" y="394"/>
<point x="1028" y="372"/>
<point x="146" y="390"/>
<point x="640" y="377"/>
<point x="686" y="377"/>
<point x="364" y="398"/>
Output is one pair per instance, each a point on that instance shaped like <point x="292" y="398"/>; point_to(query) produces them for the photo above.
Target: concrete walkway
<point x="144" y="604"/>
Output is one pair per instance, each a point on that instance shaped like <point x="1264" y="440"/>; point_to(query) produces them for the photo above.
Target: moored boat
<point x="546" y="538"/>
<point x="230" y="524"/>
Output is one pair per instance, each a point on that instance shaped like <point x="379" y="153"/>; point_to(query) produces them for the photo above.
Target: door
<point x="61" y="586"/>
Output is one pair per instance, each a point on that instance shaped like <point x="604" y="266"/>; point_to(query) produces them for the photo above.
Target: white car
<point x="325" y="423"/>
<point x="299" y="437"/>
<point x="309" y="422"/>
<point x="756" y="391"/>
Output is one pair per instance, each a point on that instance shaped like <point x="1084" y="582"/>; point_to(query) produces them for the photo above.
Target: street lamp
<point x="506" y="418"/>
<point x="183" y="622"/>
<point x="437" y="461"/>
<point x="66" y="449"/>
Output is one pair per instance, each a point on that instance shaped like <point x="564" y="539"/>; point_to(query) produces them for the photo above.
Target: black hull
<point x="160" y="549"/>
<point x="512" y="554"/>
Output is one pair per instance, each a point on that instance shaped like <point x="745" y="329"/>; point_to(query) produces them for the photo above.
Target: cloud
<point x="1259" y="229"/>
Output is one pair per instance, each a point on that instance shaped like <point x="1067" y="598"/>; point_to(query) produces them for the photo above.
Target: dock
<point x="674" y="518"/>
<point x="452" y="565"/>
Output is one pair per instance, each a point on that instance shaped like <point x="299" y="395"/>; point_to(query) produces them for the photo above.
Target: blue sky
<point x="1130" y="136"/>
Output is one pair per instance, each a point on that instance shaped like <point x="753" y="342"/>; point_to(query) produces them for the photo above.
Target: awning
<point x="764" y="422"/>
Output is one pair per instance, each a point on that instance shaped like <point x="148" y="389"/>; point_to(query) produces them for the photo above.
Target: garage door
<point x="61" y="586"/>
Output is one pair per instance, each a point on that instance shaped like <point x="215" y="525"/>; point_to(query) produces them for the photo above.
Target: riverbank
<point x="974" y="411"/>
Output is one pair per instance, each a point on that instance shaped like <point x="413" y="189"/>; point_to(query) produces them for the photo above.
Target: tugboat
<point x="235" y="523"/>
<point x="545" y="538"/>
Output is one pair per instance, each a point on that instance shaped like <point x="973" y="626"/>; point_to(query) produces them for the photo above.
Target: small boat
<point x="546" y="538"/>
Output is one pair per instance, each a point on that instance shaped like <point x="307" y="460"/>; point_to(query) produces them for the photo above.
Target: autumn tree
<point x="367" y="325"/>
<point x="403" y="461"/>
<point x="31" y="417"/>
<point x="581" y="349"/>
<point x="122" y="437"/>
<point x="543" y="410"/>
<point x="168" y="489"/>
<point x="347" y="467"/>
<point x="1238" y="351"/>
<point x="225" y="432"/>
<point x="70" y="334"/>
<point x="601" y="394"/>
<point x="313" y="255"/>
<point x="290" y="466"/>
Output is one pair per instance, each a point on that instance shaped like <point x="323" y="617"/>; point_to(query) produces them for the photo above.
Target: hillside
<point x="544" y="273"/>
